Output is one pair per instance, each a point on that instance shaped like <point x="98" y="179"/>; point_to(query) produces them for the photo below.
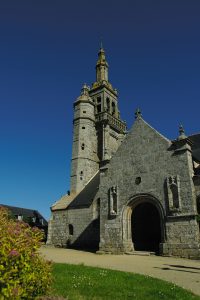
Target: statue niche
<point x="113" y="197"/>
<point x="173" y="189"/>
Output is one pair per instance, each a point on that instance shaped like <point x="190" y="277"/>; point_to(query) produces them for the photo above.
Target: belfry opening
<point x="146" y="227"/>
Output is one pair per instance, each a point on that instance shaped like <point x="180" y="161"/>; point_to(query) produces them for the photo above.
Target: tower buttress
<point x="85" y="162"/>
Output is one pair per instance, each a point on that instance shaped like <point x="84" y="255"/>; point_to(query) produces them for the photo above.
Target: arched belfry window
<point x="108" y="104"/>
<point x="98" y="105"/>
<point x="71" y="229"/>
<point x="113" y="108"/>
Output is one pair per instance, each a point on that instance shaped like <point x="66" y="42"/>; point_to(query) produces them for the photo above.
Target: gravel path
<point x="183" y="272"/>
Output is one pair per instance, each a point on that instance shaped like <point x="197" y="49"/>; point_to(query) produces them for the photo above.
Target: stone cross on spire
<point x="138" y="113"/>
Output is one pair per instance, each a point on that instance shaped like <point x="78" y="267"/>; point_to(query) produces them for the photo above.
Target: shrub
<point x="23" y="273"/>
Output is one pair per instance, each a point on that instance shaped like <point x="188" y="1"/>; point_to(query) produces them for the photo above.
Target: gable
<point x="143" y="143"/>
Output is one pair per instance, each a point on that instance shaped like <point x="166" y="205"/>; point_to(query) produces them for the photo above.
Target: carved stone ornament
<point x="173" y="189"/>
<point x="113" y="198"/>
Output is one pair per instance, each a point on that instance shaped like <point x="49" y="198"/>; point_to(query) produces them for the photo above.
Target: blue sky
<point x="49" y="49"/>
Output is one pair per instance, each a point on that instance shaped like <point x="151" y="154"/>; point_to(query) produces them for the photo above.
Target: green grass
<point x="81" y="282"/>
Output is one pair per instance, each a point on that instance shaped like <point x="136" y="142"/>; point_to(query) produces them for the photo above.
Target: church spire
<point x="101" y="66"/>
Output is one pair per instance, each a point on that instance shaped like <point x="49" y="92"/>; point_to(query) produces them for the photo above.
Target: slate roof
<point x="63" y="202"/>
<point x="87" y="195"/>
<point x="195" y="138"/>
<point x="25" y="212"/>
<point x="83" y="199"/>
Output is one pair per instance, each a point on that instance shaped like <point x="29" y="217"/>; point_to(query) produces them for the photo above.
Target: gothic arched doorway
<point x="146" y="227"/>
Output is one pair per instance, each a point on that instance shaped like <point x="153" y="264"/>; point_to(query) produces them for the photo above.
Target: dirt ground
<point x="183" y="272"/>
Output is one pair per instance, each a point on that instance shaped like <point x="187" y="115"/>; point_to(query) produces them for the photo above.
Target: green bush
<point x="23" y="273"/>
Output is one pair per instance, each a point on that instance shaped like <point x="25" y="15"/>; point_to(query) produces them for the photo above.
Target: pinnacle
<point x="182" y="135"/>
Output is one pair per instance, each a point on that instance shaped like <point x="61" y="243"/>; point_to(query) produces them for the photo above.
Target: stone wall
<point x="77" y="228"/>
<point x="85" y="161"/>
<point x="142" y="166"/>
<point x="196" y="180"/>
<point x="182" y="237"/>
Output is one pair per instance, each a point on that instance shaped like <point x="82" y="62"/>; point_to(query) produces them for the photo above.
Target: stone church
<point x="130" y="190"/>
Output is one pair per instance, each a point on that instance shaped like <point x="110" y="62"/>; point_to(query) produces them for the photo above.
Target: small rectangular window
<point x="83" y="127"/>
<point x="84" y="111"/>
<point x="71" y="229"/>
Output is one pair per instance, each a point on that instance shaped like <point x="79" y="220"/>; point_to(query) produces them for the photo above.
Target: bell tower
<point x="110" y="128"/>
<point x="97" y="127"/>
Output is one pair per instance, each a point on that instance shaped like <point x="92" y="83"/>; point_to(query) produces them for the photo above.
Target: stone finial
<point x="84" y="90"/>
<point x="182" y="135"/>
<point x="138" y="113"/>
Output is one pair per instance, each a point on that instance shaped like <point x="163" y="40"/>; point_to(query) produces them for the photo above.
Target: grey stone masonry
<point x="149" y="168"/>
<point x="85" y="162"/>
<point x="130" y="191"/>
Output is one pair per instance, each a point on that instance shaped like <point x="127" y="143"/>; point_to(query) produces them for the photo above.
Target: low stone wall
<point x="84" y="229"/>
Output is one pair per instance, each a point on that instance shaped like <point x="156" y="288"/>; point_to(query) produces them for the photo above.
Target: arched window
<point x="99" y="108"/>
<point x="108" y="104"/>
<point x="71" y="229"/>
<point x="98" y="105"/>
<point x="113" y="108"/>
<point x="83" y="146"/>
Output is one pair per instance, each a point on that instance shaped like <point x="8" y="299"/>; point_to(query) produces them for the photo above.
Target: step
<point x="141" y="253"/>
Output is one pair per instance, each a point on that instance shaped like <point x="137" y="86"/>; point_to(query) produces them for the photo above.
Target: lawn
<point x="81" y="282"/>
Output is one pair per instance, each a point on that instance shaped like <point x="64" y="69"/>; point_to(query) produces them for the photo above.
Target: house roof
<point x="83" y="199"/>
<point x="25" y="212"/>
<point x="195" y="138"/>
